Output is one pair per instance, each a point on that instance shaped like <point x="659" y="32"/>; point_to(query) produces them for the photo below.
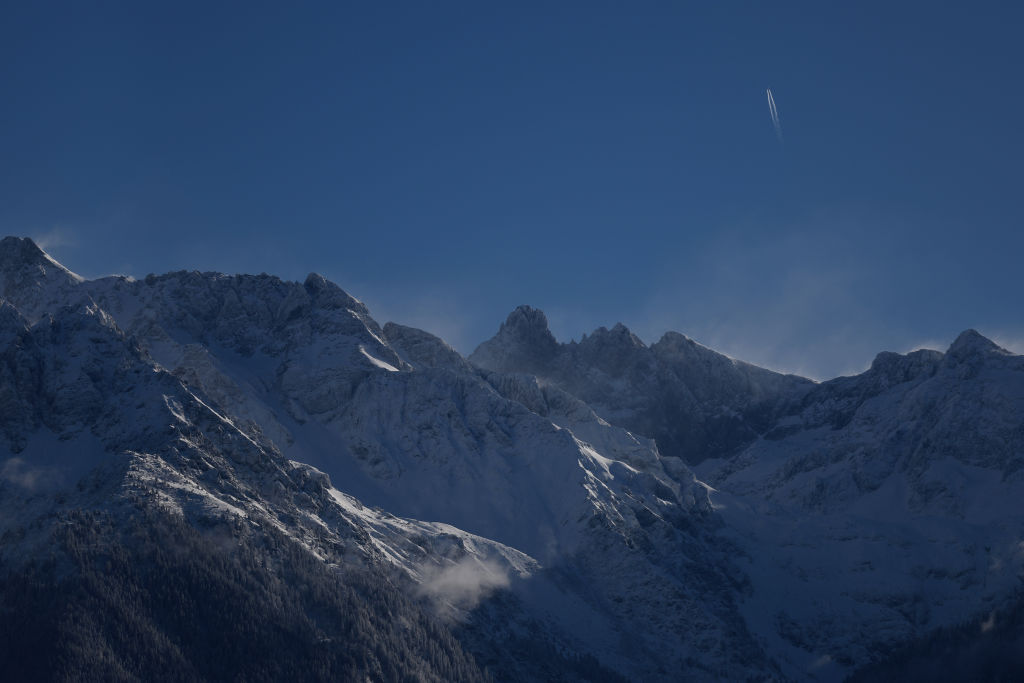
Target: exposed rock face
<point x="901" y="485"/>
<point x="38" y="283"/>
<point x="839" y="491"/>
<point x="694" y="402"/>
<point x="255" y="376"/>
<point x="509" y="499"/>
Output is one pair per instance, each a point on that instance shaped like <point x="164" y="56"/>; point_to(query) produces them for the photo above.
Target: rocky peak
<point x="327" y="295"/>
<point x="21" y="254"/>
<point x="618" y="337"/>
<point x="528" y="324"/>
<point x="889" y="369"/>
<point x="19" y="249"/>
<point x="523" y="343"/>
<point x="676" y="345"/>
<point x="32" y="281"/>
<point x="971" y="344"/>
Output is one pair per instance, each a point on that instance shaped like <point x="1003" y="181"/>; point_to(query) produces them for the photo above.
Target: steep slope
<point x="889" y="502"/>
<point x="394" y="417"/>
<point x="152" y="597"/>
<point x="39" y="283"/>
<point x="642" y="554"/>
<point x="989" y="648"/>
<point x="694" y="402"/>
<point x="305" y="456"/>
<point x="867" y="511"/>
<point x="152" y="515"/>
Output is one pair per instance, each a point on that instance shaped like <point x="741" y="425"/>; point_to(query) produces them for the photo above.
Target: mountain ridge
<point x="695" y="402"/>
<point x="534" y="494"/>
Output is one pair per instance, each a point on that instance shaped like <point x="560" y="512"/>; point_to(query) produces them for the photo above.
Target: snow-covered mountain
<point x="500" y="499"/>
<point x="694" y="402"/>
<point x="300" y="373"/>
<point x="888" y="503"/>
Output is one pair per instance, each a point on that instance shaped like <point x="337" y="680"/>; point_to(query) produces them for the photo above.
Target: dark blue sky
<point x="605" y="162"/>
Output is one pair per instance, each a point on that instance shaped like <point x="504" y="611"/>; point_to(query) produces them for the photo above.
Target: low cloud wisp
<point x="461" y="586"/>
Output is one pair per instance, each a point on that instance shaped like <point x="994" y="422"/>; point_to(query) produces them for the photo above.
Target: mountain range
<point x="212" y="477"/>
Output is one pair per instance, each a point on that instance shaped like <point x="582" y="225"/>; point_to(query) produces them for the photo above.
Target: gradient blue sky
<point x="605" y="162"/>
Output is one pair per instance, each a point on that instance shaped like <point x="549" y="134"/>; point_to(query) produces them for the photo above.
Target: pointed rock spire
<point x="970" y="343"/>
<point x="523" y="343"/>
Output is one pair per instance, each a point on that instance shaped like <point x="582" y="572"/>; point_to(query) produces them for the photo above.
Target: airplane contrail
<point x="774" y="112"/>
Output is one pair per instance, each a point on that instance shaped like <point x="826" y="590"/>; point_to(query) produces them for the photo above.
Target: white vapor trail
<point x="774" y="114"/>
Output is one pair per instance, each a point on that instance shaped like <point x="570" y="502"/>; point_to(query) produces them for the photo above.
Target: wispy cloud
<point x="788" y="300"/>
<point x="462" y="585"/>
<point x="54" y="238"/>
<point x="23" y="475"/>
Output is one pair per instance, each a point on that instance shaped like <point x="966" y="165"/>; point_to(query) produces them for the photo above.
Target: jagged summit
<point x="522" y="341"/>
<point x="679" y="345"/>
<point x="845" y="517"/>
<point x="972" y="343"/>
<point x="526" y="316"/>
<point x="22" y="249"/>
<point x="19" y="253"/>
<point x="672" y="337"/>
<point x="528" y="325"/>
<point x="696" y="403"/>
<point x="896" y="367"/>
<point x="618" y="336"/>
<point x="33" y="281"/>
<point x="330" y="296"/>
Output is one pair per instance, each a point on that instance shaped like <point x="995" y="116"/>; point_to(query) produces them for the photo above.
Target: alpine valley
<point x="214" y="477"/>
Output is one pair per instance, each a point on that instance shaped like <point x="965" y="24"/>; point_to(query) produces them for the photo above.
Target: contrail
<point x="774" y="114"/>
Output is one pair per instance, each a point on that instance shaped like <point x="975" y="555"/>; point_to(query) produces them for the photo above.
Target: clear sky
<point x="603" y="161"/>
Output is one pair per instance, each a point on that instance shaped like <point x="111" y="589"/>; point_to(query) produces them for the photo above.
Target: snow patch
<point x="377" y="361"/>
<point x="21" y="474"/>
<point x="74" y="276"/>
